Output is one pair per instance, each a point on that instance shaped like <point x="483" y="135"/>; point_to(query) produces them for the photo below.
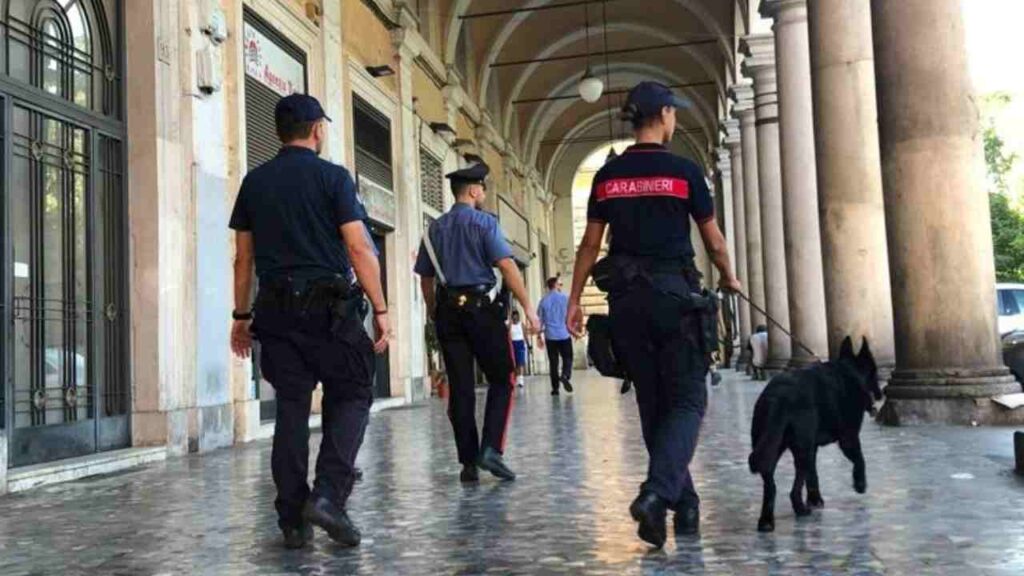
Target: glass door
<point x="67" y="343"/>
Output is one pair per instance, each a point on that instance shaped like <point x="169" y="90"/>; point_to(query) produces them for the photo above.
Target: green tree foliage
<point x="1007" y="238"/>
<point x="1007" y="222"/>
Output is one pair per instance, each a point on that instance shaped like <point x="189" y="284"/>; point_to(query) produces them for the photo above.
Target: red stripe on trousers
<point x="511" y="395"/>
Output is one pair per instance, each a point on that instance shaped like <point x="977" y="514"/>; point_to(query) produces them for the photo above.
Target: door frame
<point x="108" y="432"/>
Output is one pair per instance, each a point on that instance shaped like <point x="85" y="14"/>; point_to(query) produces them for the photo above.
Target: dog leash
<point x="778" y="325"/>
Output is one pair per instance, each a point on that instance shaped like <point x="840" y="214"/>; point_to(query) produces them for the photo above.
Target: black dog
<point x="800" y="411"/>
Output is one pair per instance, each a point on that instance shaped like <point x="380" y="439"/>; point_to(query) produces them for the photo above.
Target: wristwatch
<point x="241" y="315"/>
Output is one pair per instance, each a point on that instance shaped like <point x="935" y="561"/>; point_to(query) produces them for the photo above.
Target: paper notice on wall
<point x="271" y="65"/>
<point x="20" y="270"/>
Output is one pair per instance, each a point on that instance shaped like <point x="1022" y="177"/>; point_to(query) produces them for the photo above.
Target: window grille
<point x="373" y="143"/>
<point x="431" y="181"/>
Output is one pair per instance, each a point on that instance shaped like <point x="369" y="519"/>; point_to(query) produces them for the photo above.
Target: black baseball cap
<point x="300" y="108"/>
<point x="647" y="98"/>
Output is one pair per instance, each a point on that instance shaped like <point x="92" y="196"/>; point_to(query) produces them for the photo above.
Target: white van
<point x="1010" y="303"/>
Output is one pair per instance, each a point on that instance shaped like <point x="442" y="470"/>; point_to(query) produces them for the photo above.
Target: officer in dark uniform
<point x="298" y="221"/>
<point x="659" y="323"/>
<point x="455" y="264"/>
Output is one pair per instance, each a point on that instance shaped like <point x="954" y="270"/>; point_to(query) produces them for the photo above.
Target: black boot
<point x="687" y="522"/>
<point x="334" y="520"/>
<point x="469" y="474"/>
<point x="492" y="461"/>
<point x="296" y="538"/>
<point x="649" y="510"/>
<point x="627" y="385"/>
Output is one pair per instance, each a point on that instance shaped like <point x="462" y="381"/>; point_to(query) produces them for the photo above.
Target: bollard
<point x="1018" y="451"/>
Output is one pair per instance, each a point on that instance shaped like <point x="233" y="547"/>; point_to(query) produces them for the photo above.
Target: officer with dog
<point x="456" y="264"/>
<point x="663" y="326"/>
<point x="299" y="223"/>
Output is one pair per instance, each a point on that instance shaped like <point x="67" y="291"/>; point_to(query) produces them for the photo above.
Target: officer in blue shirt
<point x="455" y="265"/>
<point x="299" y="223"/>
<point x="662" y="326"/>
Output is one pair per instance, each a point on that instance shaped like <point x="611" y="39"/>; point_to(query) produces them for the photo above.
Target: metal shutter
<point x="431" y="181"/>
<point x="373" y="143"/>
<point x="261" y="139"/>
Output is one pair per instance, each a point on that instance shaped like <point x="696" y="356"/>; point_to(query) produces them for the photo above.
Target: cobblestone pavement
<point x="940" y="501"/>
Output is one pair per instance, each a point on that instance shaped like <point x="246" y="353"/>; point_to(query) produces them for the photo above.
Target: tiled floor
<point x="940" y="501"/>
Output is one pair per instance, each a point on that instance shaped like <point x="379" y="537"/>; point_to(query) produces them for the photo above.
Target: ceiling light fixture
<point x="591" y="87"/>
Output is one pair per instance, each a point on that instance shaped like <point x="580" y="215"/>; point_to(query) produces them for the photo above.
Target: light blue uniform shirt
<point x="552" y="310"/>
<point x="468" y="243"/>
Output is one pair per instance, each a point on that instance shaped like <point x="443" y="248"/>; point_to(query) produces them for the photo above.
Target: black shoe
<point x="358" y="472"/>
<point x="649" y="510"/>
<point x="716" y="378"/>
<point x="334" y="520"/>
<point x="296" y="538"/>
<point x="687" y="522"/>
<point x="469" y="474"/>
<point x="566" y="384"/>
<point x="627" y="385"/>
<point x="491" y="461"/>
<point x="554" y="392"/>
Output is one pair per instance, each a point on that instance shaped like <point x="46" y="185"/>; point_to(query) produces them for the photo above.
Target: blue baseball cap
<point x="300" y="108"/>
<point x="647" y="98"/>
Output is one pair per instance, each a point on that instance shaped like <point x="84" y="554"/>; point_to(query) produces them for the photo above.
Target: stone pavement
<point x="939" y="501"/>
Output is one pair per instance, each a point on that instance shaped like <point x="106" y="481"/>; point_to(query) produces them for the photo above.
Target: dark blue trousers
<point x="298" y="349"/>
<point x="476" y="331"/>
<point x="659" y="348"/>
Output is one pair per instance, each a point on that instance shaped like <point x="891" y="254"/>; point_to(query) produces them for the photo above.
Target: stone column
<point x="760" y="65"/>
<point x="804" y="277"/>
<point x="734" y="147"/>
<point x="724" y="212"/>
<point x="948" y="357"/>
<point x="746" y="153"/>
<point x="407" y="312"/>
<point x="724" y="201"/>
<point x="850" y="177"/>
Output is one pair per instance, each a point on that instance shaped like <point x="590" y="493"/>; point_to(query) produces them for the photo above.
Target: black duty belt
<point x="286" y="291"/>
<point x="463" y="296"/>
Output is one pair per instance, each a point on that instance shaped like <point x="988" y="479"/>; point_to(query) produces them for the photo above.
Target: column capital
<point x="759" y="50"/>
<point x="742" y="95"/>
<point x="723" y="161"/>
<point x="732" y="133"/>
<point x="784" y="11"/>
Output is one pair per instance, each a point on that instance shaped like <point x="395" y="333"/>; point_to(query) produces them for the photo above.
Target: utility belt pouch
<point x="347" y="317"/>
<point x="614" y="274"/>
<point x="706" y="308"/>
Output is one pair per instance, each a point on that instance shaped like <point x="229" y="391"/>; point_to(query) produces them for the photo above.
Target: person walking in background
<point x="759" y="351"/>
<point x="555" y="335"/>
<point x="518" y="337"/>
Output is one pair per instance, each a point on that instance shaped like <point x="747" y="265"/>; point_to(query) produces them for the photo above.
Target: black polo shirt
<point x="294" y="205"/>
<point x="647" y="197"/>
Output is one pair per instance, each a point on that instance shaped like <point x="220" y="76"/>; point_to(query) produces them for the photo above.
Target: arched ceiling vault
<point x="531" y="95"/>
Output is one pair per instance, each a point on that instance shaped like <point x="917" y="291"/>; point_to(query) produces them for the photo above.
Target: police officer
<point x="648" y="197"/>
<point x="298" y="220"/>
<point x="455" y="264"/>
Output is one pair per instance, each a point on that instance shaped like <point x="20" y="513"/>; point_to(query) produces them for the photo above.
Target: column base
<point x="953" y="396"/>
<point x="798" y="362"/>
<point x="776" y="366"/>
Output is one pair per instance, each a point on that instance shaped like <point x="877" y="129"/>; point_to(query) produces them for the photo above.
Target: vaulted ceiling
<point x="555" y="135"/>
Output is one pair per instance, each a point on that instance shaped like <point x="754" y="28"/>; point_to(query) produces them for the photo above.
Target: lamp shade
<point x="591" y="88"/>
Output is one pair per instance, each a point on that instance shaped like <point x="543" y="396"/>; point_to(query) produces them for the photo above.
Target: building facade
<point x="128" y="129"/>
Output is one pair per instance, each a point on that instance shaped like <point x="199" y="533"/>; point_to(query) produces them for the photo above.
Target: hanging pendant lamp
<point x="591" y="87"/>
